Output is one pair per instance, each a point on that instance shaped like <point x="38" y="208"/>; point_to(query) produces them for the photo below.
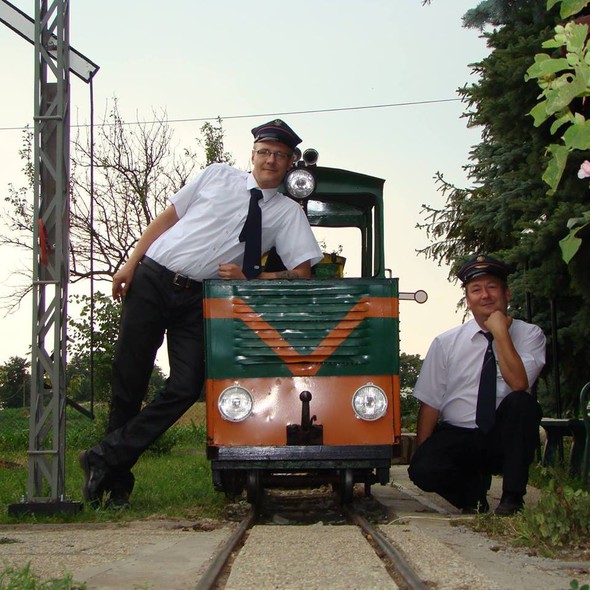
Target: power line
<point x="282" y="114"/>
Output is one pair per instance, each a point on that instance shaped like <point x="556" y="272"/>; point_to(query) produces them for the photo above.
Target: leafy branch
<point x="565" y="87"/>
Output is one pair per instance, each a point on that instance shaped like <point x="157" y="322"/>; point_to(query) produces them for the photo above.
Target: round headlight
<point x="299" y="183"/>
<point x="235" y="403"/>
<point x="369" y="402"/>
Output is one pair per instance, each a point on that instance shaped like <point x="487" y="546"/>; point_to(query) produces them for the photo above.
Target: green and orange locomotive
<point x="303" y="375"/>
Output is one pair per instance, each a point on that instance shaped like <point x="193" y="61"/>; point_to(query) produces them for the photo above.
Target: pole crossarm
<point x="24" y="25"/>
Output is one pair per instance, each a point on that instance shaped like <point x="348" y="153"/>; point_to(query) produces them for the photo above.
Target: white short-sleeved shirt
<point x="449" y="378"/>
<point x="212" y="209"/>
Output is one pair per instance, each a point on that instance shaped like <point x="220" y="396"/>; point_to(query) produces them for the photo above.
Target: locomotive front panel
<point x="302" y="363"/>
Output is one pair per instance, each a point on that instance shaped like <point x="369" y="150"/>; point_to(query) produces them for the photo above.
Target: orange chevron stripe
<point x="367" y="307"/>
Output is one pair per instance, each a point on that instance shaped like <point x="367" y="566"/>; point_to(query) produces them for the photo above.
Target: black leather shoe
<point x="509" y="504"/>
<point x="117" y="500"/>
<point x="96" y="473"/>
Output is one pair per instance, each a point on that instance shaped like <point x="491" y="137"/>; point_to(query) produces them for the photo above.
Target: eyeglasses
<point x="282" y="156"/>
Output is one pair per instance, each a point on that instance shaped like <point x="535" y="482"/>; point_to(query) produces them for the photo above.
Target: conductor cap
<point x="483" y="265"/>
<point x="276" y="130"/>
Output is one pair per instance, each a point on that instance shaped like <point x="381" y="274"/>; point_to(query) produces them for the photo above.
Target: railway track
<point x="310" y="541"/>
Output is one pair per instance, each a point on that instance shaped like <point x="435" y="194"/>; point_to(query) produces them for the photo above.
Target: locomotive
<point x="302" y="384"/>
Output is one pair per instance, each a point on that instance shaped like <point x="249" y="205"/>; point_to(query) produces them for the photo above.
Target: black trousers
<point x="456" y="462"/>
<point x="153" y="307"/>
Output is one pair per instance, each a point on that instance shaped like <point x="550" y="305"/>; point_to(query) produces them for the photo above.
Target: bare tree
<point x="119" y="183"/>
<point x="135" y="170"/>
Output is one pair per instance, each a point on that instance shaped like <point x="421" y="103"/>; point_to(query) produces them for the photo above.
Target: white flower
<point x="584" y="171"/>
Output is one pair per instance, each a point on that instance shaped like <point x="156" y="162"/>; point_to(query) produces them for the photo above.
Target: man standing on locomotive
<point x="206" y="232"/>
<point x="477" y="416"/>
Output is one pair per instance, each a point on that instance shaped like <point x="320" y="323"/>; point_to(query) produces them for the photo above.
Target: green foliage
<point x="565" y="86"/>
<point x="575" y="585"/>
<point x="409" y="369"/>
<point x="24" y="579"/>
<point x="568" y="7"/>
<point x="506" y="212"/>
<point x="15" y="383"/>
<point x="14" y="429"/>
<point x="104" y="318"/>
<point x="212" y="143"/>
<point x="561" y="517"/>
<point x="578" y="227"/>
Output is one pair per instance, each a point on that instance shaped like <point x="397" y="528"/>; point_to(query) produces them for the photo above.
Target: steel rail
<point x="400" y="563"/>
<point x="219" y="561"/>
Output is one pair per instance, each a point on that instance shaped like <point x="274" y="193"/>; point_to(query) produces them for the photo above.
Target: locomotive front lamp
<point x="235" y="403"/>
<point x="369" y="402"/>
<point x="299" y="183"/>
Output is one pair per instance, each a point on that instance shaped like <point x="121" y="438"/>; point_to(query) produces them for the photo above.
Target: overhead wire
<point x="275" y="114"/>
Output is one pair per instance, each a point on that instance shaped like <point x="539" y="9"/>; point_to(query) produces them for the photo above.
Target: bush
<point x="561" y="517"/>
<point x="409" y="407"/>
<point x="177" y="435"/>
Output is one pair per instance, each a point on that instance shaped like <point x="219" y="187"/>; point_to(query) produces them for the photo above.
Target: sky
<point x="312" y="63"/>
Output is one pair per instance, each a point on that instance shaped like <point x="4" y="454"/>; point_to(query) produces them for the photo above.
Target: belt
<point x="177" y="280"/>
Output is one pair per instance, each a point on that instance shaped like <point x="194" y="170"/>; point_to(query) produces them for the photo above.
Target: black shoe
<point x="482" y="508"/>
<point x="118" y="500"/>
<point x="510" y="504"/>
<point x="96" y="473"/>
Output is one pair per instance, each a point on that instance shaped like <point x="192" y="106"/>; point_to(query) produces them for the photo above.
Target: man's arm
<point x="427" y="419"/>
<point x="302" y="271"/>
<point x="123" y="277"/>
<point x="233" y="271"/>
<point x="509" y="361"/>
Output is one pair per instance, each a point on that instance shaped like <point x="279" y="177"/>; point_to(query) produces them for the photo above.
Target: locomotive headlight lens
<point x="235" y="403"/>
<point x="369" y="402"/>
<point x="299" y="183"/>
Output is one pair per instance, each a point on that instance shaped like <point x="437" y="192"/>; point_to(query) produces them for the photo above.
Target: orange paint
<point x="277" y="404"/>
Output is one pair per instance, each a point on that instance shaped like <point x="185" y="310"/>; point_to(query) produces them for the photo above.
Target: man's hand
<point x="230" y="271"/>
<point x="122" y="280"/>
<point x="509" y="361"/>
<point x="497" y="323"/>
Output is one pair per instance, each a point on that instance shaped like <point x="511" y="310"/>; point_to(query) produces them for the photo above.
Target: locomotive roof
<point x="344" y="198"/>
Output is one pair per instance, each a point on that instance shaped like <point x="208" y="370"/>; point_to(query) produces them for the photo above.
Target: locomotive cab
<point x="303" y="375"/>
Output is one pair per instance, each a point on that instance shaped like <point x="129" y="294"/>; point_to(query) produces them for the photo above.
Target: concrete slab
<point x="146" y="555"/>
<point x="169" y="564"/>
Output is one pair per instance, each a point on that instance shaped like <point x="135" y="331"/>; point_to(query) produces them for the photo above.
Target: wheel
<point x="232" y="483"/>
<point x="346" y="485"/>
<point x="254" y="487"/>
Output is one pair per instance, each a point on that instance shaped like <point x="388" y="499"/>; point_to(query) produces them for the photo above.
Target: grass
<point x="173" y="478"/>
<point x="24" y="579"/>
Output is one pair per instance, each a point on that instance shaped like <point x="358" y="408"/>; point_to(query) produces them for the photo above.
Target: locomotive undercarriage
<point x="253" y="469"/>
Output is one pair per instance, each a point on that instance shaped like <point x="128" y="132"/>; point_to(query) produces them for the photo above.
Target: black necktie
<point x="485" y="414"/>
<point x="252" y="234"/>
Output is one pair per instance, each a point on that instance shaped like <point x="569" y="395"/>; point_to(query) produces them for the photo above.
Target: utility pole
<point x="53" y="61"/>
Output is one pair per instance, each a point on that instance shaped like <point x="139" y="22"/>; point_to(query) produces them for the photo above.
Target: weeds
<point x="560" y="517"/>
<point x="559" y="521"/>
<point x="25" y="579"/>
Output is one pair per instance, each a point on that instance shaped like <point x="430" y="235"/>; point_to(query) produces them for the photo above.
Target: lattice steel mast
<point x="53" y="56"/>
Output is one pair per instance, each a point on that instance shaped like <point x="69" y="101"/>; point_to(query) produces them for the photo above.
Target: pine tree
<point x="507" y="212"/>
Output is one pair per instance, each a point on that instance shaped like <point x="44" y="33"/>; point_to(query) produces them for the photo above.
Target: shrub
<point x="561" y="517"/>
